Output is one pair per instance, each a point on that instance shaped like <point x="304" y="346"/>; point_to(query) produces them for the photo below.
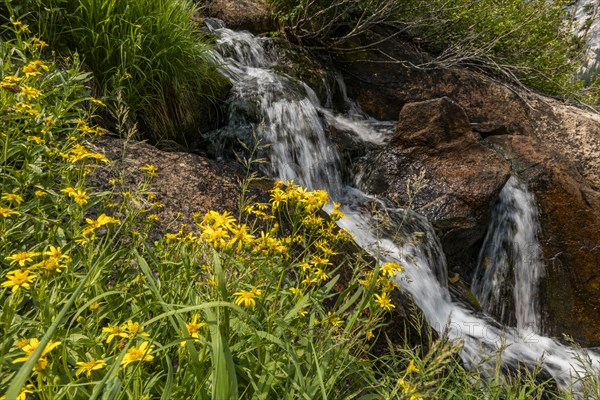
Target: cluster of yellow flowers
<point x="79" y="152"/>
<point x="384" y="283"/>
<point x="29" y="346"/>
<point x="93" y="225"/>
<point x="54" y="260"/>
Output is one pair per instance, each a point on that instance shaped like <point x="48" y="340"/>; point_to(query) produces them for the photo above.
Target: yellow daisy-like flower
<point x="384" y="301"/>
<point x="39" y="43"/>
<point x="23" y="392"/>
<point x="240" y="237"/>
<point x="30" y="347"/>
<point x="115" y="331"/>
<point x="216" y="220"/>
<point x="78" y="195"/>
<point x="321" y="274"/>
<point x="88" y="366"/>
<point x="7" y="212"/>
<point x="12" y="198"/>
<point x="134" y="328"/>
<point x="97" y="102"/>
<point x="296" y="291"/>
<point x="30" y="92"/>
<point x="19" y="278"/>
<point x="246" y="298"/>
<point x="22" y="257"/>
<point x="390" y="269"/>
<point x="94" y="306"/>
<point x="370" y="335"/>
<point x="49" y="264"/>
<point x="194" y="326"/>
<point x="138" y="354"/>
<point x="149" y="169"/>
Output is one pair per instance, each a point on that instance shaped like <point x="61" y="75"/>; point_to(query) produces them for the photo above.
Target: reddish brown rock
<point x="461" y="178"/>
<point x="570" y="237"/>
<point x="252" y="15"/>
<point x="385" y="78"/>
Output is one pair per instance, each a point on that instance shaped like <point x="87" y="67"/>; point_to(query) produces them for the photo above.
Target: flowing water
<point x="511" y="254"/>
<point x="287" y="115"/>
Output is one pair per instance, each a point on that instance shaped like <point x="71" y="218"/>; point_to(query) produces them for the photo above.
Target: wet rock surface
<point x="455" y="180"/>
<point x="570" y="237"/>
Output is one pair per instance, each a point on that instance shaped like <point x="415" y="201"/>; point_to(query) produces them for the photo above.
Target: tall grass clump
<point x="147" y="49"/>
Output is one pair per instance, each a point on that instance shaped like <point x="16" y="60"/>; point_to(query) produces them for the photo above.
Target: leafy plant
<point x="148" y="50"/>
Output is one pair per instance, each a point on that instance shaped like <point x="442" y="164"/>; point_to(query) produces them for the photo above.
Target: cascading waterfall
<point x="289" y="117"/>
<point x="511" y="254"/>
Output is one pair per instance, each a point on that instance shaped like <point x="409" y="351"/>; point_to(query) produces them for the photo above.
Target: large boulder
<point x="386" y="77"/>
<point x="252" y="15"/>
<point x="569" y="212"/>
<point x="458" y="179"/>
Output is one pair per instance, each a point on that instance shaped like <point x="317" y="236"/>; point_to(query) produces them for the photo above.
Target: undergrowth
<point x="147" y="50"/>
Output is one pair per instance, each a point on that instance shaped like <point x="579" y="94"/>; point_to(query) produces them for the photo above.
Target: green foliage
<point x="148" y="50"/>
<point x="530" y="41"/>
<point x="526" y="41"/>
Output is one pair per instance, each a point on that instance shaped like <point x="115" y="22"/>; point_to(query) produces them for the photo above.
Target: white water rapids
<point x="294" y="124"/>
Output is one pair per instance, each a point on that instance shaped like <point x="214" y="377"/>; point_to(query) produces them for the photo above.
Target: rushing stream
<point x="511" y="254"/>
<point x="286" y="115"/>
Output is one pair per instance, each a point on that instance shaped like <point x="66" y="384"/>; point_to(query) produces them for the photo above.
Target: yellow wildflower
<point x="97" y="102"/>
<point x="411" y="367"/>
<point x="30" y="347"/>
<point x="133" y="329"/>
<point x="321" y="274"/>
<point x="115" y="331"/>
<point x="78" y="195"/>
<point x="102" y="220"/>
<point x="296" y="291"/>
<point x="240" y="236"/>
<point x="194" y="327"/>
<point x="36" y="139"/>
<point x="384" y="301"/>
<point x="12" y="197"/>
<point x="34" y="67"/>
<point x="21" y="257"/>
<point x="30" y="92"/>
<point x="39" y="43"/>
<point x="50" y="264"/>
<point x="215" y="236"/>
<point x="94" y="306"/>
<point x="217" y="220"/>
<point x="22" y="393"/>
<point x="138" y="354"/>
<point x="247" y="297"/>
<point x="370" y="335"/>
<point x="19" y="278"/>
<point x="7" y="212"/>
<point x="88" y="366"/>
<point x="149" y="169"/>
<point x="390" y="269"/>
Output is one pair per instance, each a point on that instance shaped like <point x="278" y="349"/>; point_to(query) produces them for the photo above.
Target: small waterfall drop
<point x="510" y="263"/>
<point x="287" y="115"/>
